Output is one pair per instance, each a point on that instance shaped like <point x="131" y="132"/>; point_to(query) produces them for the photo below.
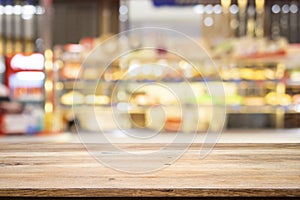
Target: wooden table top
<point x="59" y="169"/>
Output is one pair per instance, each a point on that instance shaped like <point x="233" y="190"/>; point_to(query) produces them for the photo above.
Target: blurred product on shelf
<point x="273" y="98"/>
<point x="296" y="99"/>
<point x="173" y="124"/>
<point x="254" y="101"/>
<point x="142" y="99"/>
<point x="25" y="122"/>
<point x="4" y="93"/>
<point x="10" y="107"/>
<point x="250" y="47"/>
<point x="19" y="118"/>
<point x="97" y="100"/>
<point x="72" y="98"/>
<point x="72" y="62"/>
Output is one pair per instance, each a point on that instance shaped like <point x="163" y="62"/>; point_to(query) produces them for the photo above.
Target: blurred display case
<point x="132" y="91"/>
<point x="264" y="82"/>
<point x="261" y="88"/>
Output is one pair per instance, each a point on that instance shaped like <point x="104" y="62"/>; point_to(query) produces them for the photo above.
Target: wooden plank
<point x="53" y="169"/>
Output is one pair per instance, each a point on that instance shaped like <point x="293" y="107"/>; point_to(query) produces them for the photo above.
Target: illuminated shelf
<point x="292" y="83"/>
<point x="230" y="109"/>
<point x="30" y="100"/>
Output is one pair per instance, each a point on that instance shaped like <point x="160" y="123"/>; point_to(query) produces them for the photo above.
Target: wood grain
<point x="68" y="170"/>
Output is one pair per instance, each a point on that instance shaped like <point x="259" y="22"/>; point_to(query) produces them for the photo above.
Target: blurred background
<point x="255" y="45"/>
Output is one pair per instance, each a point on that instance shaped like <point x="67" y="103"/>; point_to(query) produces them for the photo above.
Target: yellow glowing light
<point x="285" y="100"/>
<point x="225" y="4"/>
<point x="48" y="54"/>
<point x="48" y="107"/>
<point x="162" y="62"/>
<point x="184" y="65"/>
<point x="121" y="95"/>
<point x="260" y="4"/>
<point x="97" y="99"/>
<point x="58" y="64"/>
<point x="280" y="88"/>
<point x="271" y="98"/>
<point x="281" y="66"/>
<point x="48" y="65"/>
<point x="72" y="98"/>
<point x="242" y="4"/>
<point x="59" y="86"/>
<point x="48" y="85"/>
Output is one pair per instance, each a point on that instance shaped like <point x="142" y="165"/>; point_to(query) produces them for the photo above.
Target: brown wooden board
<point x="68" y="170"/>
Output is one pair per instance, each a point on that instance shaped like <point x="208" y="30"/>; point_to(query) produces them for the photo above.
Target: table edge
<point x="150" y="192"/>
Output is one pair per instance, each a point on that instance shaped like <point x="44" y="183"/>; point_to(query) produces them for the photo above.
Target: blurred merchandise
<point x="25" y="77"/>
<point x="30" y="121"/>
<point x="72" y="98"/>
<point x="72" y="60"/>
<point x="249" y="47"/>
<point x="173" y="124"/>
<point x="19" y="118"/>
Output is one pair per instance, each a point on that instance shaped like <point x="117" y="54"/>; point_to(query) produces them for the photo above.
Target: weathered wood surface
<point x="52" y="169"/>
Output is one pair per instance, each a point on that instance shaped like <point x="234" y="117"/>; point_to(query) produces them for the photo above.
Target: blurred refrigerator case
<point x="25" y="77"/>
